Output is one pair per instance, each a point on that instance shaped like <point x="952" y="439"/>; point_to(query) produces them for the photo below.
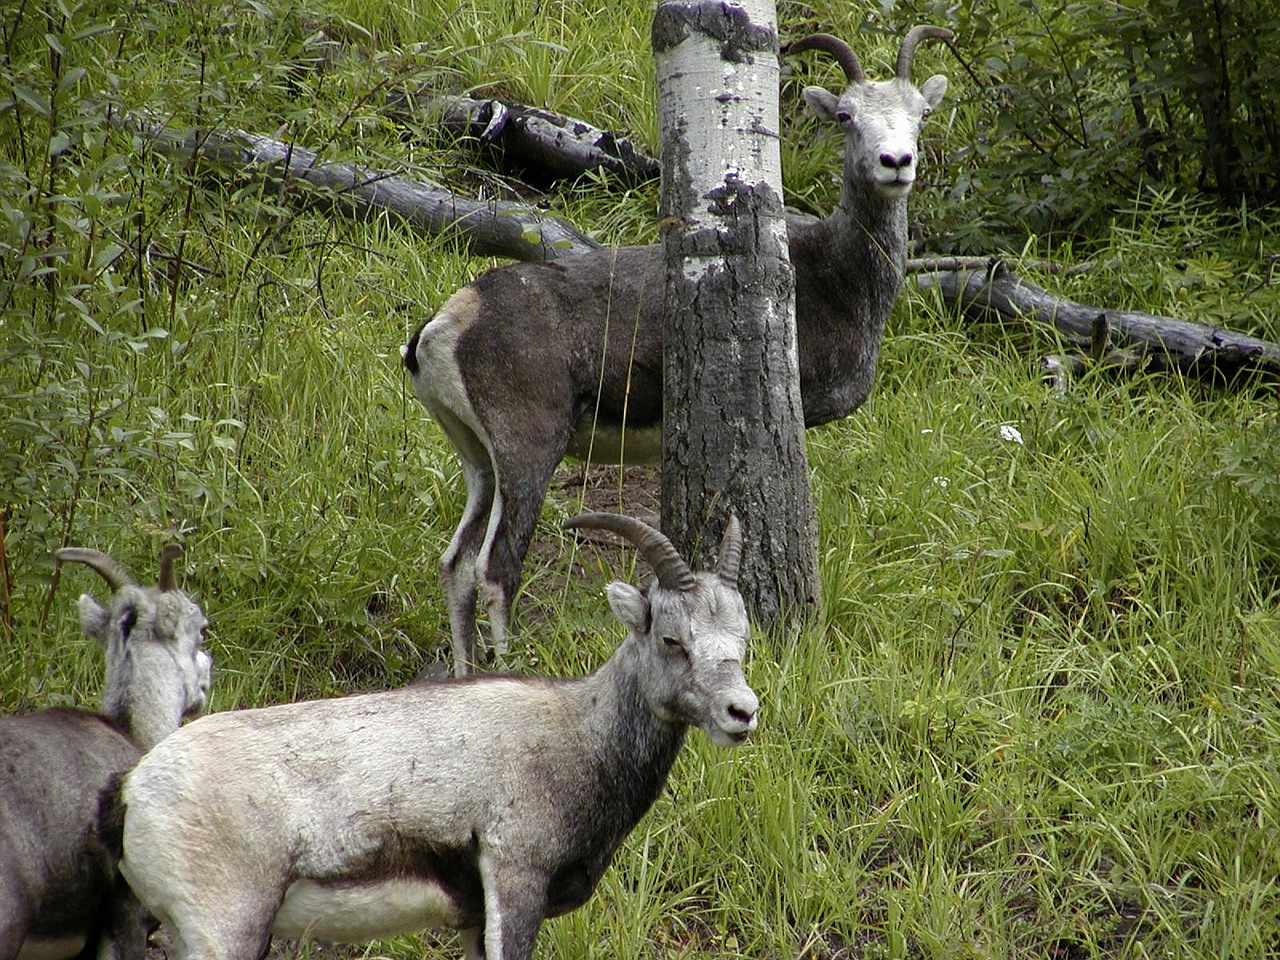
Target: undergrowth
<point x="1037" y="715"/>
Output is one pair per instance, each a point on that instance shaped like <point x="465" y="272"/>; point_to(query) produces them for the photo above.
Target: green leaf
<point x="36" y="101"/>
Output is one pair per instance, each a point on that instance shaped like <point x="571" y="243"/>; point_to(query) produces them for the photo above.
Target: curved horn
<point x="730" y="553"/>
<point x="670" y="568"/>
<point x="107" y="568"/>
<point x="168" y="555"/>
<point x="907" y="52"/>
<point x="840" y="50"/>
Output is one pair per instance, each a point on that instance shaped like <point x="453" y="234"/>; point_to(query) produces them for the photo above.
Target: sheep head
<point x="691" y="628"/>
<point x="157" y="668"/>
<point x="881" y="119"/>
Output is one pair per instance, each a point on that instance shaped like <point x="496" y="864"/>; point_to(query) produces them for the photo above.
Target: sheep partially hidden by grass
<point x="484" y="804"/>
<point x="60" y="892"/>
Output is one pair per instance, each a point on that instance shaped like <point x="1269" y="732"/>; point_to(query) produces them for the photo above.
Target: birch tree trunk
<point x="733" y="426"/>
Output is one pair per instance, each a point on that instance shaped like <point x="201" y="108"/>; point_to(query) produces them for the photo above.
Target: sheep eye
<point x="927" y="111"/>
<point x="844" y="116"/>
<point x="671" y="643"/>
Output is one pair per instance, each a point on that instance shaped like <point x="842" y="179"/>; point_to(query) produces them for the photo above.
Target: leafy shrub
<point x="1066" y="112"/>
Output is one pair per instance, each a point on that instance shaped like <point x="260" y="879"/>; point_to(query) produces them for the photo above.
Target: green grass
<point x="1039" y="712"/>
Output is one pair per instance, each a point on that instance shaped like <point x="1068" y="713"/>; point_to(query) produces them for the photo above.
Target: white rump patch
<point x="356" y="913"/>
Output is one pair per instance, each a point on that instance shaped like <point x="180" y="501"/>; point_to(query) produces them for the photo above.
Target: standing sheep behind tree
<point x="531" y="362"/>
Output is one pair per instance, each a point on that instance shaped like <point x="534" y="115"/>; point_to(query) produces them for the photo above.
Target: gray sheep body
<point x="532" y="362"/>
<point x="481" y="804"/>
<point x="60" y="893"/>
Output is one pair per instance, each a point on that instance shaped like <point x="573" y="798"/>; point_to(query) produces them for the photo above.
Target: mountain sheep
<point x="60" y="895"/>
<point x="531" y="362"/>
<point x="484" y="804"/>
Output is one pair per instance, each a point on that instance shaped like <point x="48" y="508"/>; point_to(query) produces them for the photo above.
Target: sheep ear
<point x="629" y="605"/>
<point x="822" y="102"/>
<point x="94" y="618"/>
<point x="934" y="89"/>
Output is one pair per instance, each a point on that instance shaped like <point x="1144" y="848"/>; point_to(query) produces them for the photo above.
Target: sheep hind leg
<point x="518" y="502"/>
<point x="124" y="927"/>
<point x="473" y="943"/>
<point x="13" y="932"/>
<point x="458" y="563"/>
<point x="222" y="928"/>
<point x="458" y="573"/>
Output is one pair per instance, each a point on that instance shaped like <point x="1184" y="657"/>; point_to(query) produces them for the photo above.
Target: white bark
<point x="733" y="422"/>
<point x="725" y="116"/>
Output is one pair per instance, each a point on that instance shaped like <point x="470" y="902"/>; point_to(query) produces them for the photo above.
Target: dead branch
<point x="997" y="294"/>
<point x="489" y="228"/>
<point x="921" y="265"/>
<point x="539" y="145"/>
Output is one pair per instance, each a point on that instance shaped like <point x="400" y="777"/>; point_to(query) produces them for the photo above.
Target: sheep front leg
<point x="13" y="928"/>
<point x="124" y="926"/>
<point x="515" y="900"/>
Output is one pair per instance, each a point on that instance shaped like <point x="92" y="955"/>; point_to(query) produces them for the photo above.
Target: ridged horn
<point x="170" y="553"/>
<point x="907" y="52"/>
<point x="730" y="553"/>
<point x="841" y="51"/>
<point x="107" y="568"/>
<point x="669" y="567"/>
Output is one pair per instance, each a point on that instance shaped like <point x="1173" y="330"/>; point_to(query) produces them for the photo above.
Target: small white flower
<point x="1009" y="433"/>
<point x="942" y="482"/>
<point x="927" y="430"/>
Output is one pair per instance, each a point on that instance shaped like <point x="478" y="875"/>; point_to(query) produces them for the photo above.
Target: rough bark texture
<point x="490" y="228"/>
<point x="733" y="424"/>
<point x="999" y="294"/>
<point x="537" y="145"/>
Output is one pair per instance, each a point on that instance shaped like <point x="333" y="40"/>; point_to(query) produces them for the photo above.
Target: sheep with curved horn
<point x="485" y="805"/>
<point x="532" y="362"/>
<point x="60" y="894"/>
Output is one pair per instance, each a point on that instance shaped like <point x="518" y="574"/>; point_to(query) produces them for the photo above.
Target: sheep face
<point x="881" y="122"/>
<point x="694" y="641"/>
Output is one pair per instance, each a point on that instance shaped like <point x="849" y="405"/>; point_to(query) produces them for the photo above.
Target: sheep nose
<point x="896" y="161"/>
<point x="743" y="710"/>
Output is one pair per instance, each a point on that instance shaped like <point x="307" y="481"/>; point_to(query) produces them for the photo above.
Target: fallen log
<point x="537" y="145"/>
<point x="997" y="294"/>
<point x="488" y="227"/>
<point x="493" y="228"/>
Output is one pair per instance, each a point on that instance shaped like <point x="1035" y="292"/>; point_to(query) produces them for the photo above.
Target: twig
<point x="919" y="265"/>
<point x="6" y="583"/>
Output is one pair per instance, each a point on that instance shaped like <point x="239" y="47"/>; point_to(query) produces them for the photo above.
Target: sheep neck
<point x="634" y="747"/>
<point x="870" y="228"/>
<point x="848" y="271"/>
<point x="137" y="702"/>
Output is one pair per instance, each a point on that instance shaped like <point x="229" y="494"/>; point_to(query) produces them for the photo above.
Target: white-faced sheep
<point x="483" y="804"/>
<point x="60" y="894"/>
<point x="535" y="361"/>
